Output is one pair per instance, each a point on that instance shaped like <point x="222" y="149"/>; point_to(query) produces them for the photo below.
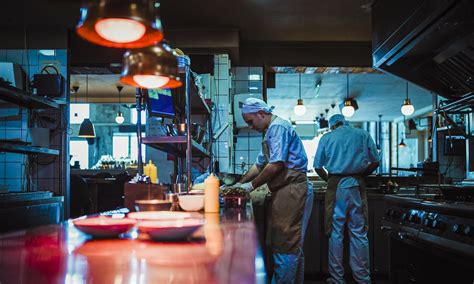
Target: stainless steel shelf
<point x="175" y="145"/>
<point x="21" y="98"/>
<point x="25" y="149"/>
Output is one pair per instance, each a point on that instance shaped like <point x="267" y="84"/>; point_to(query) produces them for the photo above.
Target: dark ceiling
<point x="274" y="20"/>
<point x="254" y="32"/>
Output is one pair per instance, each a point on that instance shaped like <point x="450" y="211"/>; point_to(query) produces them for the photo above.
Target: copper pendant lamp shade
<point x="150" y="68"/>
<point x="120" y="24"/>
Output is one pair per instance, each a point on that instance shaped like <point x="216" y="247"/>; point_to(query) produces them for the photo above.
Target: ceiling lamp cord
<point x="300" y="108"/>
<point x="119" y="118"/>
<point x="407" y="108"/>
<point x="348" y="109"/>
<point x="87" y="130"/>
<point x="75" y="90"/>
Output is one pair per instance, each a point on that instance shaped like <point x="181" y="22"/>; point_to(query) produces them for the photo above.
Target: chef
<point x="282" y="165"/>
<point x="343" y="158"/>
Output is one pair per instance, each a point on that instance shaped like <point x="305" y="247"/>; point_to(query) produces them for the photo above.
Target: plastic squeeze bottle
<point x="211" y="194"/>
<point x="151" y="171"/>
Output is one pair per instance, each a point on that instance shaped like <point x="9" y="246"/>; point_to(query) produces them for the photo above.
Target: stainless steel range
<point x="431" y="241"/>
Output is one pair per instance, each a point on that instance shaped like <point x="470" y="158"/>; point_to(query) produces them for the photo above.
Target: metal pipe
<point x="138" y="96"/>
<point x="188" y="129"/>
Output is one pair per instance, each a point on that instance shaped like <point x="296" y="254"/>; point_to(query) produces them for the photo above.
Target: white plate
<point x="170" y="230"/>
<point x="158" y="215"/>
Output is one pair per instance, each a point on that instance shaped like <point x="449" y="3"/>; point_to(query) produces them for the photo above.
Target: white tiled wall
<point x="220" y="82"/>
<point x="248" y="141"/>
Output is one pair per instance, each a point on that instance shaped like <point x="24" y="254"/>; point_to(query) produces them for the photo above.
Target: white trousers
<point x="348" y="209"/>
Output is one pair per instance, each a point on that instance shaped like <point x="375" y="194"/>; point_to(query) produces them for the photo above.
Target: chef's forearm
<point x="322" y="173"/>
<point x="251" y="174"/>
<point x="268" y="172"/>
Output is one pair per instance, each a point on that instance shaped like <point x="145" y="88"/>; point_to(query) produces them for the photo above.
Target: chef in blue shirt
<point x="344" y="157"/>
<point x="282" y="165"/>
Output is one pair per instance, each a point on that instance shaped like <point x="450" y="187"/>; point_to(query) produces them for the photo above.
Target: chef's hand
<point x="247" y="186"/>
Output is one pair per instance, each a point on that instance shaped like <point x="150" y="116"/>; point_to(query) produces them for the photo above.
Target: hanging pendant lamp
<point x="87" y="130"/>
<point x="120" y="24"/>
<point x="348" y="109"/>
<point x="300" y="108"/>
<point x="119" y="118"/>
<point x="151" y="67"/>
<point x="407" y="108"/>
<point x="402" y="144"/>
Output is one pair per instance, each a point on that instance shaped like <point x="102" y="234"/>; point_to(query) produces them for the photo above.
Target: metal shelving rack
<point x="18" y="97"/>
<point x="184" y="147"/>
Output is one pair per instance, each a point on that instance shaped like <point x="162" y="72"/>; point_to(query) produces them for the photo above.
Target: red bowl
<point x="104" y="226"/>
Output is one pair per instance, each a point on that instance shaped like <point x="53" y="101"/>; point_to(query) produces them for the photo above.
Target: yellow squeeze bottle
<point x="151" y="171"/>
<point x="211" y="194"/>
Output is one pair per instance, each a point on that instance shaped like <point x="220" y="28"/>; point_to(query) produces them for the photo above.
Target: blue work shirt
<point x="346" y="151"/>
<point x="284" y="145"/>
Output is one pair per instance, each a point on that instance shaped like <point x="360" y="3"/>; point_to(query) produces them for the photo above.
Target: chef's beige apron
<point x="288" y="189"/>
<point x="330" y="200"/>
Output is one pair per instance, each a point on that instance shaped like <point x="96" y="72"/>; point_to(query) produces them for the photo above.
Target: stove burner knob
<point x="438" y="225"/>
<point x="405" y="216"/>
<point x="458" y="229"/>
<point x="469" y="231"/>
<point x="414" y="218"/>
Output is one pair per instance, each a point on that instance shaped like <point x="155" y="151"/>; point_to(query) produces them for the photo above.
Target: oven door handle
<point x="386" y="228"/>
<point x="403" y="235"/>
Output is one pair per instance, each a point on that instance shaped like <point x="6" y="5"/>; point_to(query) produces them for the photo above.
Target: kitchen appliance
<point x="430" y="241"/>
<point x="428" y="43"/>
<point x="49" y="84"/>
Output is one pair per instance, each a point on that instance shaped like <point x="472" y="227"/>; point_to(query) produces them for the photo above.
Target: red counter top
<point x="224" y="250"/>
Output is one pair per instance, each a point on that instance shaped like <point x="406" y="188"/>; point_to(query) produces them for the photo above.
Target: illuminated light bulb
<point x="300" y="108"/>
<point x="119" y="118"/>
<point x="407" y="108"/>
<point x="348" y="111"/>
<point x="120" y="30"/>
<point x="150" y="81"/>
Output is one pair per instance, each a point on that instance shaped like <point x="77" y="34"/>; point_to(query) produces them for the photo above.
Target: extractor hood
<point x="429" y="43"/>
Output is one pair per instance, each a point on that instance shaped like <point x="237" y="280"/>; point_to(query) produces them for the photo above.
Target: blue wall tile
<point x="33" y="57"/>
<point x="15" y="56"/>
<point x="3" y="54"/>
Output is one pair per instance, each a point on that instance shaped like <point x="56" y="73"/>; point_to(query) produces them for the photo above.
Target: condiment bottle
<point x="211" y="194"/>
<point x="151" y="171"/>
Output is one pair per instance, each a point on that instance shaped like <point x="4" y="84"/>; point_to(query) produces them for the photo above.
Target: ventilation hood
<point x="429" y="43"/>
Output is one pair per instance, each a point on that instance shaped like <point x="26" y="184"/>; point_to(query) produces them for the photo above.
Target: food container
<point x="153" y="205"/>
<point x="235" y="202"/>
<point x="191" y="202"/>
